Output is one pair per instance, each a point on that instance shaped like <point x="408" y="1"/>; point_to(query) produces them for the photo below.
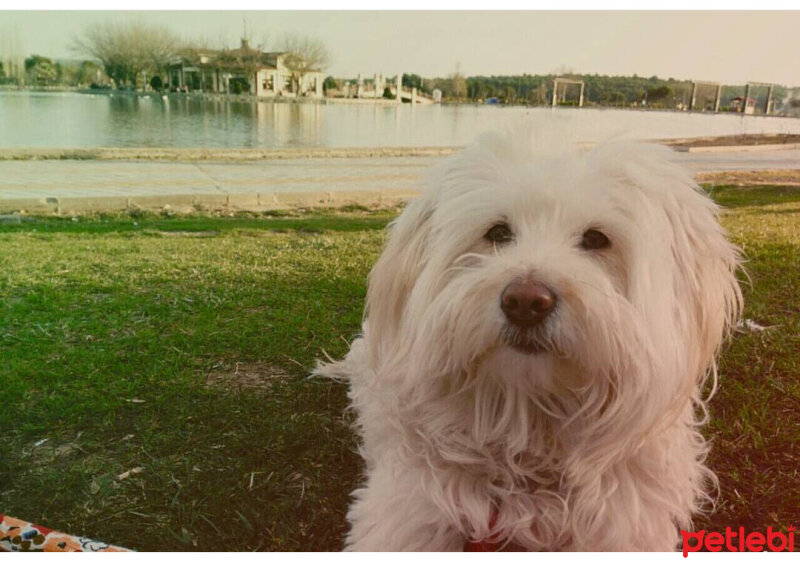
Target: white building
<point x="242" y="70"/>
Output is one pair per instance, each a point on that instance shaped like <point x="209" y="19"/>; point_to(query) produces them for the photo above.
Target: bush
<point x="329" y="84"/>
<point x="239" y="85"/>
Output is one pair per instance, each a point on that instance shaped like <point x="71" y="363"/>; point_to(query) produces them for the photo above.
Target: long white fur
<point x="592" y="445"/>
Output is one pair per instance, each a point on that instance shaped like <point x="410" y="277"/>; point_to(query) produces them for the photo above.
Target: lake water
<point x="73" y="120"/>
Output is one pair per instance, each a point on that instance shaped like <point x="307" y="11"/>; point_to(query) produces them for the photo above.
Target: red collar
<point x="492" y="543"/>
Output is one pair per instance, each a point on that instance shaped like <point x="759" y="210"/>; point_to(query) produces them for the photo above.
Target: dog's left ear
<point x="392" y="278"/>
<point x="704" y="295"/>
<point x="706" y="272"/>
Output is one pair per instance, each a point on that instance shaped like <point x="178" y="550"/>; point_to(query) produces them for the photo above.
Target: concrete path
<point x="701" y="162"/>
<point x="72" y="185"/>
<point x="65" y="186"/>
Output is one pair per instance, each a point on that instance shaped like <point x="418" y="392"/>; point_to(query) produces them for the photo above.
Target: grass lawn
<point x="179" y="348"/>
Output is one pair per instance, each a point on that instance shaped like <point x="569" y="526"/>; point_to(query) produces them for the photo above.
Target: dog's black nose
<point x="527" y="303"/>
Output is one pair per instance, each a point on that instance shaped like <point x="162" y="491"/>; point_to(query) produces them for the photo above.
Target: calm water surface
<point x="73" y="120"/>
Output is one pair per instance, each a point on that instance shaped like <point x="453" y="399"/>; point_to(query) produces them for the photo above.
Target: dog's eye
<point x="499" y="234"/>
<point x="594" y="239"/>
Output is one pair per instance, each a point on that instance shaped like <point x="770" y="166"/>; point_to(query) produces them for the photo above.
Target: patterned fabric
<point x="18" y="535"/>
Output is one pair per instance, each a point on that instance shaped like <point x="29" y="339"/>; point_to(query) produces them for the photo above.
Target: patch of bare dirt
<point x="46" y="451"/>
<point x="247" y="376"/>
<point x="733" y="140"/>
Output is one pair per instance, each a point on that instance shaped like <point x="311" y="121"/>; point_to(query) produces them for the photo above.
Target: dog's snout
<point x="527" y="303"/>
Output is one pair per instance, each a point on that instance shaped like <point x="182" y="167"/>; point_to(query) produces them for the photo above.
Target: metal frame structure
<point x="767" y="103"/>
<point x="695" y="86"/>
<point x="567" y="82"/>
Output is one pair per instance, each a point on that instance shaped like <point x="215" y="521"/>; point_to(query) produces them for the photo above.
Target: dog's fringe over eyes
<point x="576" y="426"/>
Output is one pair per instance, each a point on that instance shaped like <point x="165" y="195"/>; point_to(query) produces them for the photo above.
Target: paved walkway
<point x="94" y="178"/>
<point x="63" y="186"/>
<point x="105" y="185"/>
<point x="700" y="162"/>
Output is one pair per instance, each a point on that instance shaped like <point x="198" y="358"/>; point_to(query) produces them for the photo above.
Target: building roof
<point x="242" y="57"/>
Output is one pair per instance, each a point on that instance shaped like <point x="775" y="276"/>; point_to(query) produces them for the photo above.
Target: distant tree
<point x="67" y="73"/>
<point x="660" y="95"/>
<point x="415" y="81"/>
<point x="89" y="72"/>
<point x="459" y="86"/>
<point x="330" y="84"/>
<point x="156" y="83"/>
<point x="41" y="70"/>
<point x="509" y="95"/>
<point x="303" y="55"/>
<point x="599" y="90"/>
<point x="616" y="98"/>
<point x="239" y="85"/>
<point x="541" y="94"/>
<point x="11" y="54"/>
<point x="129" y="50"/>
<point x="2" y="71"/>
<point x="473" y="89"/>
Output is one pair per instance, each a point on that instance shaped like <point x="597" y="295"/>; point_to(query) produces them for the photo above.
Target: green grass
<point x="755" y="423"/>
<point x="181" y="345"/>
<point x="275" y="221"/>
<point x="110" y="332"/>
<point x="734" y="196"/>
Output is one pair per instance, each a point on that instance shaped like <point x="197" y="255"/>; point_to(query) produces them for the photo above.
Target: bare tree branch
<point x="128" y="50"/>
<point x="304" y="54"/>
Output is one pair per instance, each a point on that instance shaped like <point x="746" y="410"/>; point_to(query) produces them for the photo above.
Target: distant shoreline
<point x="203" y="96"/>
<point x="697" y="144"/>
<point x="791" y="113"/>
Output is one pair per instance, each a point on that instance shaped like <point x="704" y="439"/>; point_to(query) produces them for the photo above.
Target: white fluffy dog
<point x="538" y="332"/>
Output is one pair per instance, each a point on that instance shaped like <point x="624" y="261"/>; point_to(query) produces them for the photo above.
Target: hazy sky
<point x="731" y="47"/>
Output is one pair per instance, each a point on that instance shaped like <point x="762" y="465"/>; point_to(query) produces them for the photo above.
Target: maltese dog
<point x="538" y="334"/>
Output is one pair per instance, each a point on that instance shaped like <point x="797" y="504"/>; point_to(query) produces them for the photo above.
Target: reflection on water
<point x="180" y="121"/>
<point x="64" y="120"/>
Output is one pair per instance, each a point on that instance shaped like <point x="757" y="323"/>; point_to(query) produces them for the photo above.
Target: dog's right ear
<point x="393" y="276"/>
